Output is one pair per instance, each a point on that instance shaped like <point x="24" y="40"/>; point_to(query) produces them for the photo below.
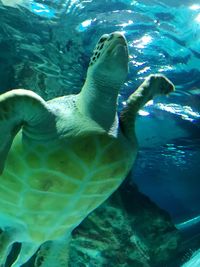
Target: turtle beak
<point x="116" y="39"/>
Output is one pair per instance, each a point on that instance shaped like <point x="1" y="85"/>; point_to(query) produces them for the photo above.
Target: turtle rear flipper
<point x="53" y="253"/>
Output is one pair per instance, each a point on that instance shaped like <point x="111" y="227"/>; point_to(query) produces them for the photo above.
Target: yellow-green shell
<point x="49" y="190"/>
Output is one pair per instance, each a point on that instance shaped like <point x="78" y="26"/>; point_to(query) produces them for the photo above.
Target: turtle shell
<point x="48" y="190"/>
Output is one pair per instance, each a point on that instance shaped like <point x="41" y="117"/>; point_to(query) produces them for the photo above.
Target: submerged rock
<point x="127" y="230"/>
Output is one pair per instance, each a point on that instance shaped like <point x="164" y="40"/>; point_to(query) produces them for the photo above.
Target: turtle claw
<point x="159" y="85"/>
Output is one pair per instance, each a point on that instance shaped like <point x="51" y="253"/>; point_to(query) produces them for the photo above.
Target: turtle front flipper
<point x="152" y="86"/>
<point x="20" y="108"/>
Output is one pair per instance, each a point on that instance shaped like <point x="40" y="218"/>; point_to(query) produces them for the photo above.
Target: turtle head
<point x="107" y="72"/>
<point x="109" y="62"/>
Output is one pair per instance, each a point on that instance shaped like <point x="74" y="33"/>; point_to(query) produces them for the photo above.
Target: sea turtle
<point x="59" y="160"/>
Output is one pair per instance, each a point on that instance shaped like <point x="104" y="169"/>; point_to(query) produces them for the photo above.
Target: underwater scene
<point x="76" y="188"/>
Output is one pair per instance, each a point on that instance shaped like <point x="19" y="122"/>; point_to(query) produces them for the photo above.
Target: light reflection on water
<point x="42" y="10"/>
<point x="185" y="112"/>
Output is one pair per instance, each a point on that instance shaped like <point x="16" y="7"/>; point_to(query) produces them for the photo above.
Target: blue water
<point x="163" y="37"/>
